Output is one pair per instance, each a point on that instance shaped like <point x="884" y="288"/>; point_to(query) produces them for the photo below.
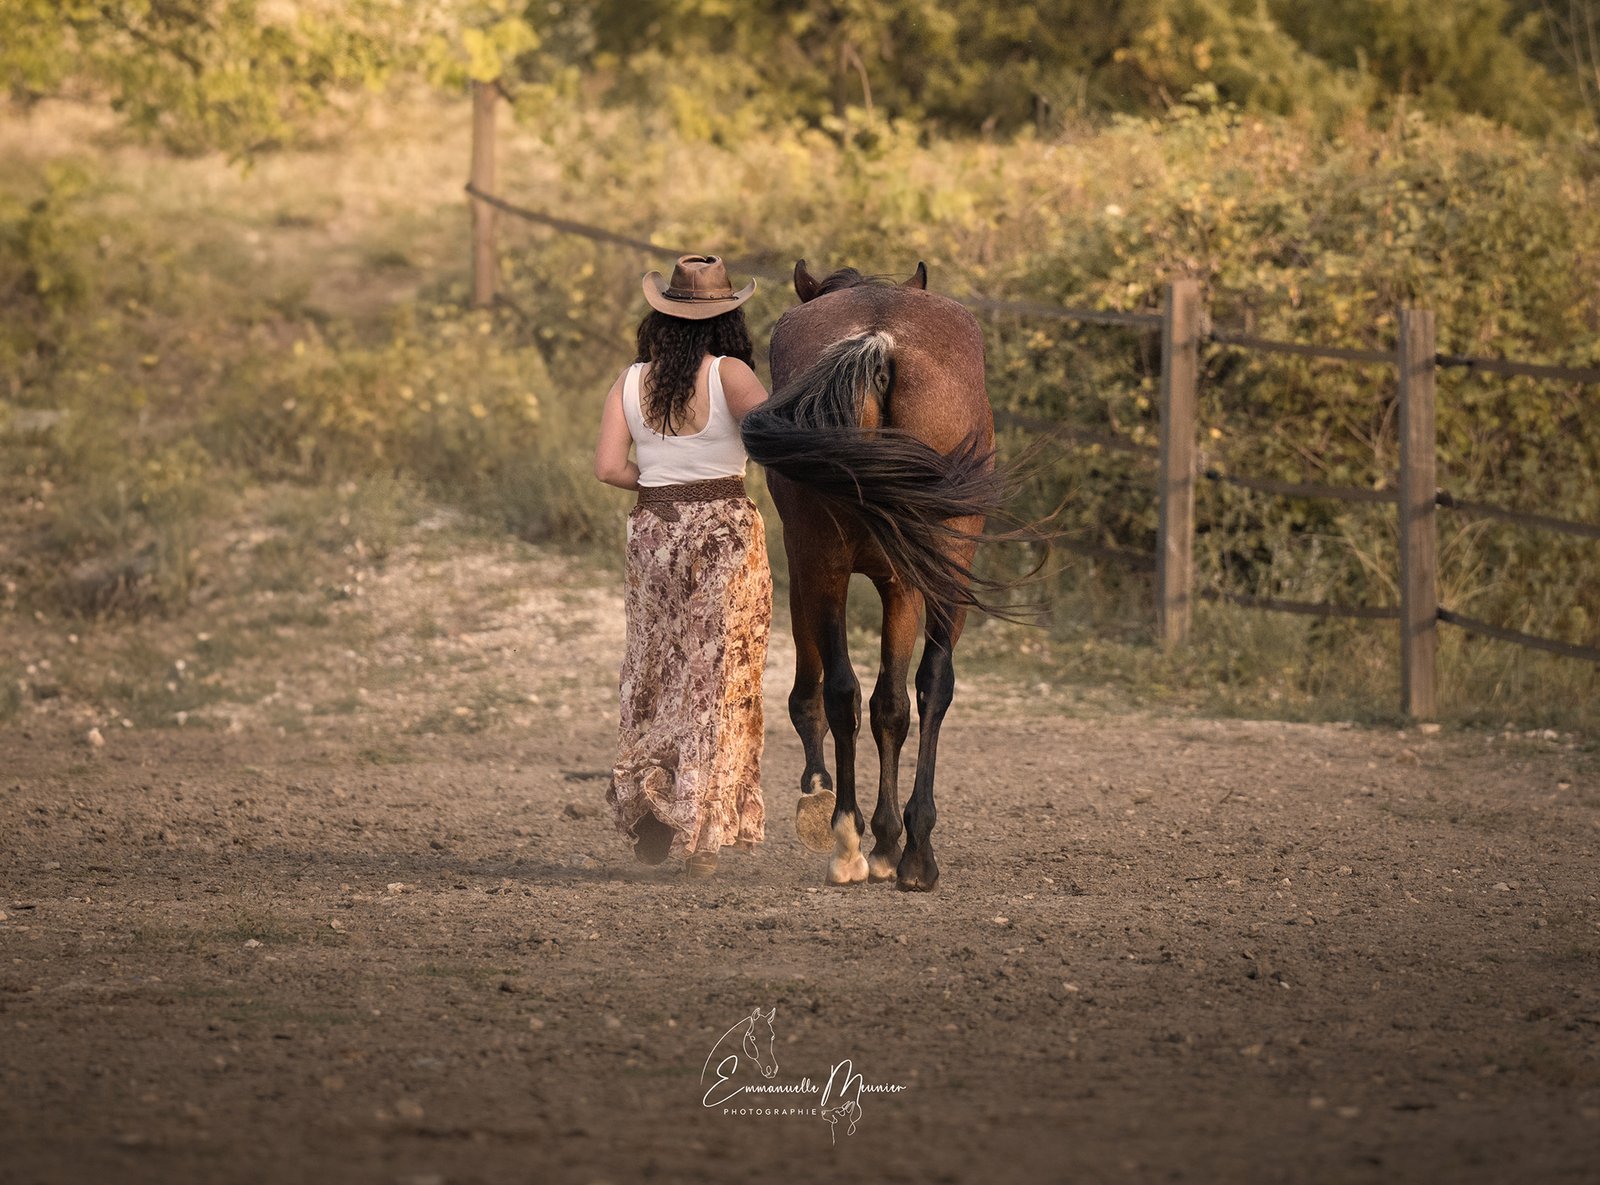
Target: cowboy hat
<point x="699" y="289"/>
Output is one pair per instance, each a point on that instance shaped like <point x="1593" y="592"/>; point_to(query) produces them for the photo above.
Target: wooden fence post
<point x="1180" y="375"/>
<point x="1419" y="583"/>
<point x="484" y="264"/>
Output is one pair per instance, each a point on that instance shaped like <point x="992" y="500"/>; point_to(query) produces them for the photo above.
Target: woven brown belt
<point x="711" y="490"/>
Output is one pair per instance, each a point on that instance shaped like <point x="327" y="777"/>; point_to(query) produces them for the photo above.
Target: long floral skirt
<point x="699" y="607"/>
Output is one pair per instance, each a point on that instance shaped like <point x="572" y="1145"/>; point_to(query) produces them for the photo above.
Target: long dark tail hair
<point x="903" y="491"/>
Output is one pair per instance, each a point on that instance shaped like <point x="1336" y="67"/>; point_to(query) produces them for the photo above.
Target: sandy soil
<point x="362" y="919"/>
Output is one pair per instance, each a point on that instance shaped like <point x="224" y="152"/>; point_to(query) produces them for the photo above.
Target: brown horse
<point x="879" y="447"/>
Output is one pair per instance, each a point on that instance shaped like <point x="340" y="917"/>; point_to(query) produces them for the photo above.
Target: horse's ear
<point x="805" y="284"/>
<point x="755" y="1012"/>
<point x="772" y="1012"/>
<point x="919" y="278"/>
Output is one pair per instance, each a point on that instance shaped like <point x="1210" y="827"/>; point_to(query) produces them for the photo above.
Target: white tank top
<point x="714" y="451"/>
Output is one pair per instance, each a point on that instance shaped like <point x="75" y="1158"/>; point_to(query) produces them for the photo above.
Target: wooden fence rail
<point x="1184" y="326"/>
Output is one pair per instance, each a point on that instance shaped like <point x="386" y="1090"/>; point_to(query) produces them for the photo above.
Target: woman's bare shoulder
<point x="737" y="375"/>
<point x="622" y="377"/>
<point x="741" y="386"/>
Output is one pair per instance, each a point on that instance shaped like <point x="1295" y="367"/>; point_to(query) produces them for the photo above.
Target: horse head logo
<point x="759" y="1039"/>
<point x="740" y="1054"/>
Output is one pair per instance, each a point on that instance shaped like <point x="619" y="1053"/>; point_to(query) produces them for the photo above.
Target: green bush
<point x="127" y="528"/>
<point x="47" y="248"/>
<point x="449" y="400"/>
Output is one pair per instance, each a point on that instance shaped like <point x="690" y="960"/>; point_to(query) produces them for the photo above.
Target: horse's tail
<point x="903" y="491"/>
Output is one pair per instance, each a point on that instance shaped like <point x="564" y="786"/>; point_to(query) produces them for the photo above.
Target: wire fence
<point x="1304" y="608"/>
<point x="1543" y="522"/>
<point x="1530" y="641"/>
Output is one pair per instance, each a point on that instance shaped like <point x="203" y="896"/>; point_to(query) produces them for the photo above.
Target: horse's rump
<point x="911" y="499"/>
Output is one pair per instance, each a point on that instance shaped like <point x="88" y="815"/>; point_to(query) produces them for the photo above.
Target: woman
<point x="687" y="778"/>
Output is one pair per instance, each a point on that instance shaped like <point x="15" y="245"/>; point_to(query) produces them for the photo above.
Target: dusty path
<point x="366" y="928"/>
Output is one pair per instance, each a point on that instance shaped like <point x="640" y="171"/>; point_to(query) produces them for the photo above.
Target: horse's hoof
<point x="813" y="820"/>
<point x="847" y="872"/>
<point x="881" y="866"/>
<point x="848" y="866"/>
<point x="917" y="872"/>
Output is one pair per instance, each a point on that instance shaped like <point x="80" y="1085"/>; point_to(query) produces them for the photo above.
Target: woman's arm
<point x="741" y="388"/>
<point x="611" y="464"/>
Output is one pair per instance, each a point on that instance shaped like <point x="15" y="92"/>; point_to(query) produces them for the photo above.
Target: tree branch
<point x="145" y="37"/>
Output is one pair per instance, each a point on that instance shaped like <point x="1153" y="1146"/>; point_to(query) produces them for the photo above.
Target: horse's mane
<point x="849" y="277"/>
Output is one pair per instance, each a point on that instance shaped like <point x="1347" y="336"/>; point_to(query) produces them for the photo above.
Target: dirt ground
<point x="361" y="918"/>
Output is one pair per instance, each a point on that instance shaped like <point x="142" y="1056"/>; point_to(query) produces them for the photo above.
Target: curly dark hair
<point x="674" y="347"/>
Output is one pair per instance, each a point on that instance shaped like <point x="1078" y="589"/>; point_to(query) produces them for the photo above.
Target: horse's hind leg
<point x="891" y="721"/>
<point x="814" y="812"/>
<point x="936" y="683"/>
<point x="841" y="700"/>
<point x="805" y="700"/>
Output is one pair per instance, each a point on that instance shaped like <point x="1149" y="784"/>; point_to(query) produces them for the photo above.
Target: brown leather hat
<point x="699" y="289"/>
